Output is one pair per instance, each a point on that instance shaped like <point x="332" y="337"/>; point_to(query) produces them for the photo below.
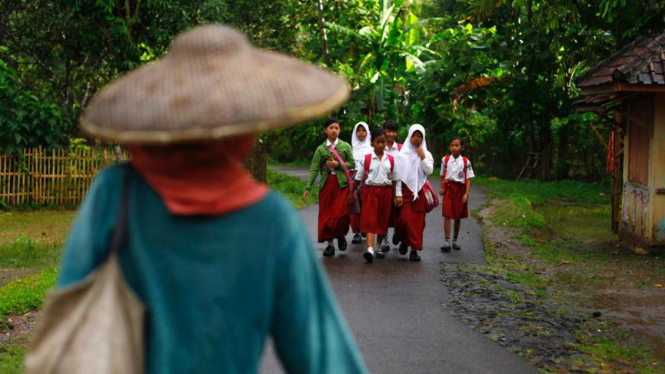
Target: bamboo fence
<point x="62" y="177"/>
<point x="52" y="177"/>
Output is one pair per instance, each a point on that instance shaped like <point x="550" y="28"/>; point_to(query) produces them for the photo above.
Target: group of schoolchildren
<point x="388" y="181"/>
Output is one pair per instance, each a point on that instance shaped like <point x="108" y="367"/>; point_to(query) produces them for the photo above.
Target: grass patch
<point x="12" y="354"/>
<point x="617" y="352"/>
<point x="27" y="293"/>
<point x="28" y="253"/>
<point x="542" y="193"/>
<point x="44" y="225"/>
<point x="565" y="229"/>
<point x="292" y="188"/>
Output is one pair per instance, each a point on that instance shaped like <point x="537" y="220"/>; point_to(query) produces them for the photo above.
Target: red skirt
<point x="411" y="223"/>
<point x="355" y="218"/>
<point x="452" y="201"/>
<point x="333" y="210"/>
<point x="375" y="214"/>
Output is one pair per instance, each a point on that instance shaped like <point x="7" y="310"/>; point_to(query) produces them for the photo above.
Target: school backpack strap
<point x="466" y="162"/>
<point x="445" y="166"/>
<point x="366" y="165"/>
<point x="399" y="146"/>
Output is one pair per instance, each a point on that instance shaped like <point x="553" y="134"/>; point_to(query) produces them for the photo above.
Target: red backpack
<point x="445" y="166"/>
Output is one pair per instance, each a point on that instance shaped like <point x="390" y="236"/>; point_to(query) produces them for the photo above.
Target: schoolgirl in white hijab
<point x="361" y="147"/>
<point x="414" y="169"/>
<point x="415" y="164"/>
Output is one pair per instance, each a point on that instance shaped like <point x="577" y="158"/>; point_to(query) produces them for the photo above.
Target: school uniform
<point x="360" y="149"/>
<point x="455" y="175"/>
<point x="394" y="212"/>
<point x="377" y="195"/>
<point x="333" y="219"/>
<point x="413" y="174"/>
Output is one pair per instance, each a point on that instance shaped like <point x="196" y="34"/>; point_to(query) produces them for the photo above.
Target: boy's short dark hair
<point x="390" y="125"/>
<point x="330" y="121"/>
<point x="376" y="133"/>
<point x="461" y="141"/>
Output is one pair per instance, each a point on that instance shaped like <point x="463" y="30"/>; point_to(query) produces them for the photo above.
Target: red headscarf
<point x="200" y="178"/>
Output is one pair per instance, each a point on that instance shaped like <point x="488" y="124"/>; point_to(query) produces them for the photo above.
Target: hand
<point x="442" y="191"/>
<point x="421" y="152"/>
<point x="352" y="196"/>
<point x="465" y="198"/>
<point x="332" y="164"/>
<point x="399" y="201"/>
<point x="305" y="196"/>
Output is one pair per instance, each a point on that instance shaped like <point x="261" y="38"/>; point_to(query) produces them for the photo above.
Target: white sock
<point x="370" y="250"/>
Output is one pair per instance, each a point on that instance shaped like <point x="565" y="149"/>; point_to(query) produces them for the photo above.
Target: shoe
<point x="385" y="247"/>
<point x="456" y="246"/>
<point x="329" y="251"/>
<point x="380" y="254"/>
<point x="357" y="238"/>
<point x="369" y="256"/>
<point x="413" y="256"/>
<point x="403" y="248"/>
<point x="341" y="244"/>
<point x="446" y="246"/>
<point x="395" y="238"/>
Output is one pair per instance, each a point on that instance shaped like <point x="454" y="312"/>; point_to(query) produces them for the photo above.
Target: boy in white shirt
<point x="456" y="175"/>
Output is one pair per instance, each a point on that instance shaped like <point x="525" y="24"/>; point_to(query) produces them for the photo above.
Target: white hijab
<point x="410" y="169"/>
<point x="360" y="149"/>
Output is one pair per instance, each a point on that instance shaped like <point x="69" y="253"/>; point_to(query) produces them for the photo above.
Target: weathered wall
<point x="643" y="206"/>
<point x="658" y="173"/>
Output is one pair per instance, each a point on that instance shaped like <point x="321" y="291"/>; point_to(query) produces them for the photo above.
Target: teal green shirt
<point x="318" y="165"/>
<point x="216" y="287"/>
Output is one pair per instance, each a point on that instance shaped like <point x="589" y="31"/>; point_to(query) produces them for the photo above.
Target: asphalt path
<point x="397" y="309"/>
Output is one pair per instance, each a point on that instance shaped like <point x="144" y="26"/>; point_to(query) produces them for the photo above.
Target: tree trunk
<point x="322" y="30"/>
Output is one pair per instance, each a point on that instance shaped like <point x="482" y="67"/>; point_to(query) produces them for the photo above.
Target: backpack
<point x="445" y="166"/>
<point x="368" y="161"/>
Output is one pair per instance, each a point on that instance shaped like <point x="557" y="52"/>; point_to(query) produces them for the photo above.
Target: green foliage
<point x="291" y="187"/>
<point x="25" y="294"/>
<point x="25" y="121"/>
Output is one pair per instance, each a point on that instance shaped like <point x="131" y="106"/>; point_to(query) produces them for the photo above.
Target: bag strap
<point x="341" y="161"/>
<point x="466" y="162"/>
<point x="122" y="222"/>
<point x="399" y="146"/>
<point x="366" y="165"/>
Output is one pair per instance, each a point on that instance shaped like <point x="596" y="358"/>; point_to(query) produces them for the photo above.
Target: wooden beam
<point x="621" y="87"/>
<point x="600" y="137"/>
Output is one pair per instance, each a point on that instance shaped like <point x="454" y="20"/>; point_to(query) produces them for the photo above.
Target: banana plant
<point x="388" y="49"/>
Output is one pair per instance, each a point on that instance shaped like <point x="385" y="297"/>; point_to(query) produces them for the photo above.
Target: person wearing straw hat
<point x="415" y="164"/>
<point x="361" y="141"/>
<point x="333" y="160"/>
<point x="220" y="261"/>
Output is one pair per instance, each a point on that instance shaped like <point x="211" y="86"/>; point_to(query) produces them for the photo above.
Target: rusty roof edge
<point x="603" y="62"/>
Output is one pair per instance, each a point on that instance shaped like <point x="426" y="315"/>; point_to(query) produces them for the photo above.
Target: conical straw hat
<point x="211" y="84"/>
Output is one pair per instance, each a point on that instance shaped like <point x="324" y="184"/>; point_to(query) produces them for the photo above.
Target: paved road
<point x="397" y="309"/>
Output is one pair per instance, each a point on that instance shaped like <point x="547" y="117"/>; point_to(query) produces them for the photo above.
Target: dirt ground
<point x="621" y="287"/>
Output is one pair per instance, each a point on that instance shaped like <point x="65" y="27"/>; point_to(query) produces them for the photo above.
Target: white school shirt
<point x="394" y="151"/>
<point x="379" y="173"/>
<point x="328" y="143"/>
<point x="455" y="171"/>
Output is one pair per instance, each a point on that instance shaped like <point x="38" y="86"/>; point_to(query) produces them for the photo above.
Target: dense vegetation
<point x="498" y="72"/>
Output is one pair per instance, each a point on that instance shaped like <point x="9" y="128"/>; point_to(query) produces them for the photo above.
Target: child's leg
<point x="370" y="240"/>
<point x="458" y="223"/>
<point x="446" y="227"/>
